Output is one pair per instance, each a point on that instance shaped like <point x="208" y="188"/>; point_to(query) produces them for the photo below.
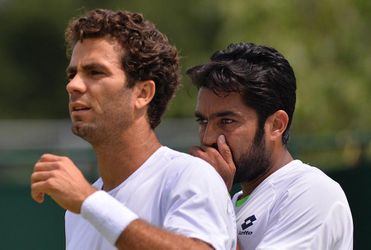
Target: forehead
<point x="209" y="103"/>
<point x="96" y="50"/>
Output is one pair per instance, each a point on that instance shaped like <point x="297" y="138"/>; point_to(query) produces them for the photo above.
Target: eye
<point x="95" y="72"/>
<point x="70" y="76"/>
<point x="226" y="121"/>
<point x="201" y="121"/>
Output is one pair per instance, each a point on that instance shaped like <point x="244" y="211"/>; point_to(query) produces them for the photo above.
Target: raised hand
<point x="58" y="177"/>
<point x="221" y="159"/>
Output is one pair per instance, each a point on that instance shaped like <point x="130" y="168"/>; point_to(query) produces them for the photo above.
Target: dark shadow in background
<point x="356" y="183"/>
<point x="26" y="224"/>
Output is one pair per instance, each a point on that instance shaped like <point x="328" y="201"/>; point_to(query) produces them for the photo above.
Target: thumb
<point x="224" y="149"/>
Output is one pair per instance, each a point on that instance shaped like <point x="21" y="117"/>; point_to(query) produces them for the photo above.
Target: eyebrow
<point x="94" y="66"/>
<point x="70" y="69"/>
<point x="86" y="67"/>
<point x="198" y="114"/>
<point x="217" y="114"/>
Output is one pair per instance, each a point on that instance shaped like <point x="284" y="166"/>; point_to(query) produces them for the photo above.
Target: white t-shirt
<point x="297" y="207"/>
<point x="173" y="191"/>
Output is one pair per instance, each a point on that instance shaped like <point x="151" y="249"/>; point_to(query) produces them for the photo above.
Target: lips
<point x="78" y="107"/>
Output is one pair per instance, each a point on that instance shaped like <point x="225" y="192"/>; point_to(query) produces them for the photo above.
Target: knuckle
<point x="52" y="174"/>
<point x="64" y="158"/>
<point x="43" y="156"/>
<point x="33" y="177"/>
<point x="57" y="165"/>
<point x="37" y="166"/>
<point x="49" y="183"/>
<point x="226" y="150"/>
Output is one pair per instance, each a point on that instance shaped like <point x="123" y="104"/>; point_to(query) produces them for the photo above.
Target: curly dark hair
<point x="262" y="76"/>
<point x="148" y="55"/>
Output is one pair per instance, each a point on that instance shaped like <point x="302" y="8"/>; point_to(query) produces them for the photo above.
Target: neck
<point x="122" y="157"/>
<point x="277" y="163"/>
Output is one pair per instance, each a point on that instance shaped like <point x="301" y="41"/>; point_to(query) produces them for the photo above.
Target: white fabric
<point x="173" y="191"/>
<point x="107" y="215"/>
<point x="297" y="207"/>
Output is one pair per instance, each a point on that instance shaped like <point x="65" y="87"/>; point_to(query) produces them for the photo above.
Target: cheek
<point x="96" y="98"/>
<point x="237" y="145"/>
<point x="201" y="131"/>
<point x="204" y="130"/>
<point x="240" y="143"/>
<point x="115" y="100"/>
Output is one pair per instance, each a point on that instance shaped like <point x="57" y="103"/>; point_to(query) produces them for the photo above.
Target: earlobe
<point x="144" y="93"/>
<point x="277" y="124"/>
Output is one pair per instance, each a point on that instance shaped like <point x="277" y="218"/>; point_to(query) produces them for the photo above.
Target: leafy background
<point x="327" y="43"/>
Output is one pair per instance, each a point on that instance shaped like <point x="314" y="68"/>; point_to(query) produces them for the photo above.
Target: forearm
<point x="141" y="235"/>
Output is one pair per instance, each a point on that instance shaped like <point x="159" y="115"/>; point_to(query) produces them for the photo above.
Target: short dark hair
<point x="147" y="53"/>
<point x="262" y="76"/>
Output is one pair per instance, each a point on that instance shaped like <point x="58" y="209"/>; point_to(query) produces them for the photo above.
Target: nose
<point x="76" y="85"/>
<point x="208" y="135"/>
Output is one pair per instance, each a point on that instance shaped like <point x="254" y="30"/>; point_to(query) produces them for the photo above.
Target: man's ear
<point x="276" y="124"/>
<point x="144" y="91"/>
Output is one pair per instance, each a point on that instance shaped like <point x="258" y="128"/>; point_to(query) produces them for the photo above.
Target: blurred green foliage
<point x="327" y="42"/>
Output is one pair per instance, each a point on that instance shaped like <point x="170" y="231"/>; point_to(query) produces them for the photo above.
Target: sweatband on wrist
<point x="107" y="215"/>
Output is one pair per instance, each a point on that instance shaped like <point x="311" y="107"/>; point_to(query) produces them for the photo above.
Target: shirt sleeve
<point x="199" y="207"/>
<point x="336" y="231"/>
<point x="315" y="216"/>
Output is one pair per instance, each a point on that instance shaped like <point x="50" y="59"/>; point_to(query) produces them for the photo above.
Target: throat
<point x="116" y="165"/>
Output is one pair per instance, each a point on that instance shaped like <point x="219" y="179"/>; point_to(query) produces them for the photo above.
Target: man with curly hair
<point x="245" y="104"/>
<point x="121" y="75"/>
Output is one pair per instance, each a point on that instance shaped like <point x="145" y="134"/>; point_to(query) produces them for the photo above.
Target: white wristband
<point x="107" y="215"/>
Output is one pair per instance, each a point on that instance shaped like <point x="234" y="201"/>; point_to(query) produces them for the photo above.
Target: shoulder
<point x="297" y="178"/>
<point x="310" y="196"/>
<point x="312" y="183"/>
<point x="180" y="157"/>
<point x="184" y="164"/>
<point x="197" y="201"/>
<point x="192" y="173"/>
<point x="307" y="202"/>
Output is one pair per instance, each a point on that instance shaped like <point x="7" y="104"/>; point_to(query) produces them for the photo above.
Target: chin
<point x="252" y="168"/>
<point x="81" y="130"/>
